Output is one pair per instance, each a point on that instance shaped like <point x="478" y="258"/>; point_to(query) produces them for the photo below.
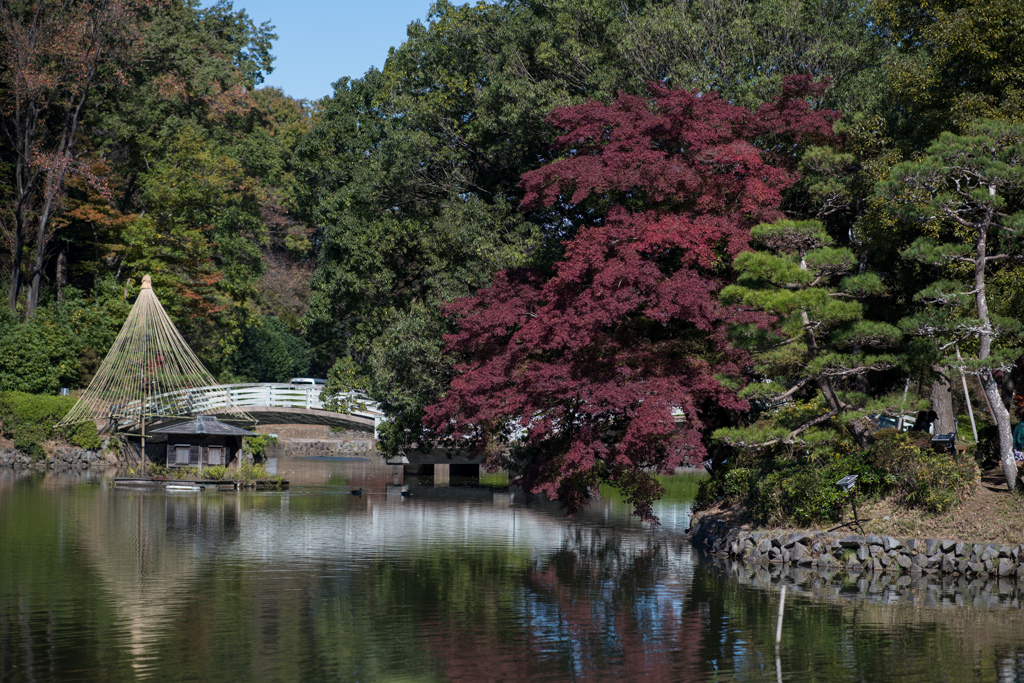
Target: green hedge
<point x="29" y="420"/>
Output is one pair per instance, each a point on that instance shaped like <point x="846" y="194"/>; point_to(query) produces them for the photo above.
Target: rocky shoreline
<point x="858" y="553"/>
<point x="62" y="459"/>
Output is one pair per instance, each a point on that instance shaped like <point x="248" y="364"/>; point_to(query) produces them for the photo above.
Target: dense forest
<point x="594" y="239"/>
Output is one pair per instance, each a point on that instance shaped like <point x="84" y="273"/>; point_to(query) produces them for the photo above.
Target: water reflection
<point x="829" y="584"/>
<point x="147" y="551"/>
<point x="448" y="583"/>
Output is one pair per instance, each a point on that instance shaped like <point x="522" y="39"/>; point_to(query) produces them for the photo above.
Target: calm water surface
<point x="450" y="584"/>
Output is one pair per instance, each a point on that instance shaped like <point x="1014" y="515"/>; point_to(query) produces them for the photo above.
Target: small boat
<point x="185" y="487"/>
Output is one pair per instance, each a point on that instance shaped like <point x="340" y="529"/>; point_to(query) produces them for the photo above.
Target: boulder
<point x="851" y="542"/>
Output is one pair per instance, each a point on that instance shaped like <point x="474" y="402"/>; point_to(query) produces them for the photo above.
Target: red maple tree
<point x="573" y="378"/>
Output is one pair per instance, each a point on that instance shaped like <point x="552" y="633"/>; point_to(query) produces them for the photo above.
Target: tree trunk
<point x="24" y="181"/>
<point x="62" y="272"/>
<point x="1002" y="418"/>
<point x="988" y="383"/>
<point x="942" y="403"/>
<point x="39" y="261"/>
<point x="54" y="183"/>
<point x="15" y="289"/>
<point x="32" y="302"/>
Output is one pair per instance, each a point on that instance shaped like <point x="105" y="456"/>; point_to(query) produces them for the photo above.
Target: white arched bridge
<point x="151" y="374"/>
<point x="266" y="403"/>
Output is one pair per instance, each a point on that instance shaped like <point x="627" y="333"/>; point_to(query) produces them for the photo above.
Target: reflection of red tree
<point x="601" y="634"/>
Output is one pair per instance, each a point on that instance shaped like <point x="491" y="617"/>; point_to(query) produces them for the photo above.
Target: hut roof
<point x="204" y="424"/>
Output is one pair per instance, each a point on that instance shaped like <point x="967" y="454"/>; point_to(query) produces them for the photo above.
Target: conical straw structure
<point x="150" y="365"/>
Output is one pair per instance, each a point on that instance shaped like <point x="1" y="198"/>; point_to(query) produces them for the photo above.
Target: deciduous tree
<point x="413" y="173"/>
<point x="581" y="373"/>
<point x="53" y="53"/>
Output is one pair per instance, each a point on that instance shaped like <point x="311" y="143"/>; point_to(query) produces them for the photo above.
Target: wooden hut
<point x="202" y="442"/>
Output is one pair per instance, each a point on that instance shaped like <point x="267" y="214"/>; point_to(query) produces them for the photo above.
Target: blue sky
<point x="320" y="41"/>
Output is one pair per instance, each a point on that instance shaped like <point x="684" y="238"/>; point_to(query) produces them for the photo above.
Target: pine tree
<point x="820" y="341"/>
<point x="966" y="193"/>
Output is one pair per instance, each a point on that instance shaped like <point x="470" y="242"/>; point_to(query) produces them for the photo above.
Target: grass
<point x="681" y="487"/>
<point x="499" y="478"/>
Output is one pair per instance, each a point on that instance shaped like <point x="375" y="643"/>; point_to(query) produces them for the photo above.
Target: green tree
<point x="953" y="61"/>
<point x="412" y="174"/>
<point x="743" y="50"/>
<point x="268" y="352"/>
<point x="966" y="195"/>
<point x="199" y="239"/>
<point x="821" y="342"/>
<point x="403" y="232"/>
<point x="58" y="347"/>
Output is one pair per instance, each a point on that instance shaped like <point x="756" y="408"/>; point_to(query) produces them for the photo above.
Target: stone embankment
<point x="321" y="448"/>
<point x="63" y="459"/>
<point x="857" y="553"/>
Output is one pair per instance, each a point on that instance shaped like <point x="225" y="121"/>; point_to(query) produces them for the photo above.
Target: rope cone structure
<point x="149" y="372"/>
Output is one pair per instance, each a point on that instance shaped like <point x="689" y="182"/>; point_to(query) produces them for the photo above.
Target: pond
<point x="456" y="583"/>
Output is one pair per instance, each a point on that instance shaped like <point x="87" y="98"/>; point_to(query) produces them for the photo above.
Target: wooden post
<point x="142" y="421"/>
<point x="967" y="397"/>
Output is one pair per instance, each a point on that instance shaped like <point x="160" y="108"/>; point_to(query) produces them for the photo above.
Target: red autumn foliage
<point x="591" y="360"/>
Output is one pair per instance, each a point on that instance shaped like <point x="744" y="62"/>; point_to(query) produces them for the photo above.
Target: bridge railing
<point x="242" y="396"/>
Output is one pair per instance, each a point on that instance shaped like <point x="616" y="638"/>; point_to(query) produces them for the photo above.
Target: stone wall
<point x="853" y="552"/>
<point x="295" y="448"/>
<point x="63" y="459"/>
<point x="319" y="441"/>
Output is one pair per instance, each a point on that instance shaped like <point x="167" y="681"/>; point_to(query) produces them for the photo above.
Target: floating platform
<point x="195" y="485"/>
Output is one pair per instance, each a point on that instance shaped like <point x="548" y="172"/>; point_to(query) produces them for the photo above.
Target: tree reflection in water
<point x="601" y="606"/>
<point x="316" y="584"/>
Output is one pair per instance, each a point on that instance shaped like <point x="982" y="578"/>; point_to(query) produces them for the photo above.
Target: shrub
<point x="257" y="445"/>
<point x="709" y="492"/>
<point x="803" y="492"/>
<point x="251" y="472"/>
<point x="921" y="477"/>
<point x="781" y="489"/>
<point x="84" y="435"/>
<point x="737" y="482"/>
<point x="29" y="419"/>
<point x="213" y="472"/>
<point x="155" y="470"/>
<point x="29" y="440"/>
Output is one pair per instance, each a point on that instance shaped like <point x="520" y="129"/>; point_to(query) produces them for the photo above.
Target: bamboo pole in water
<point x="778" y="624"/>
